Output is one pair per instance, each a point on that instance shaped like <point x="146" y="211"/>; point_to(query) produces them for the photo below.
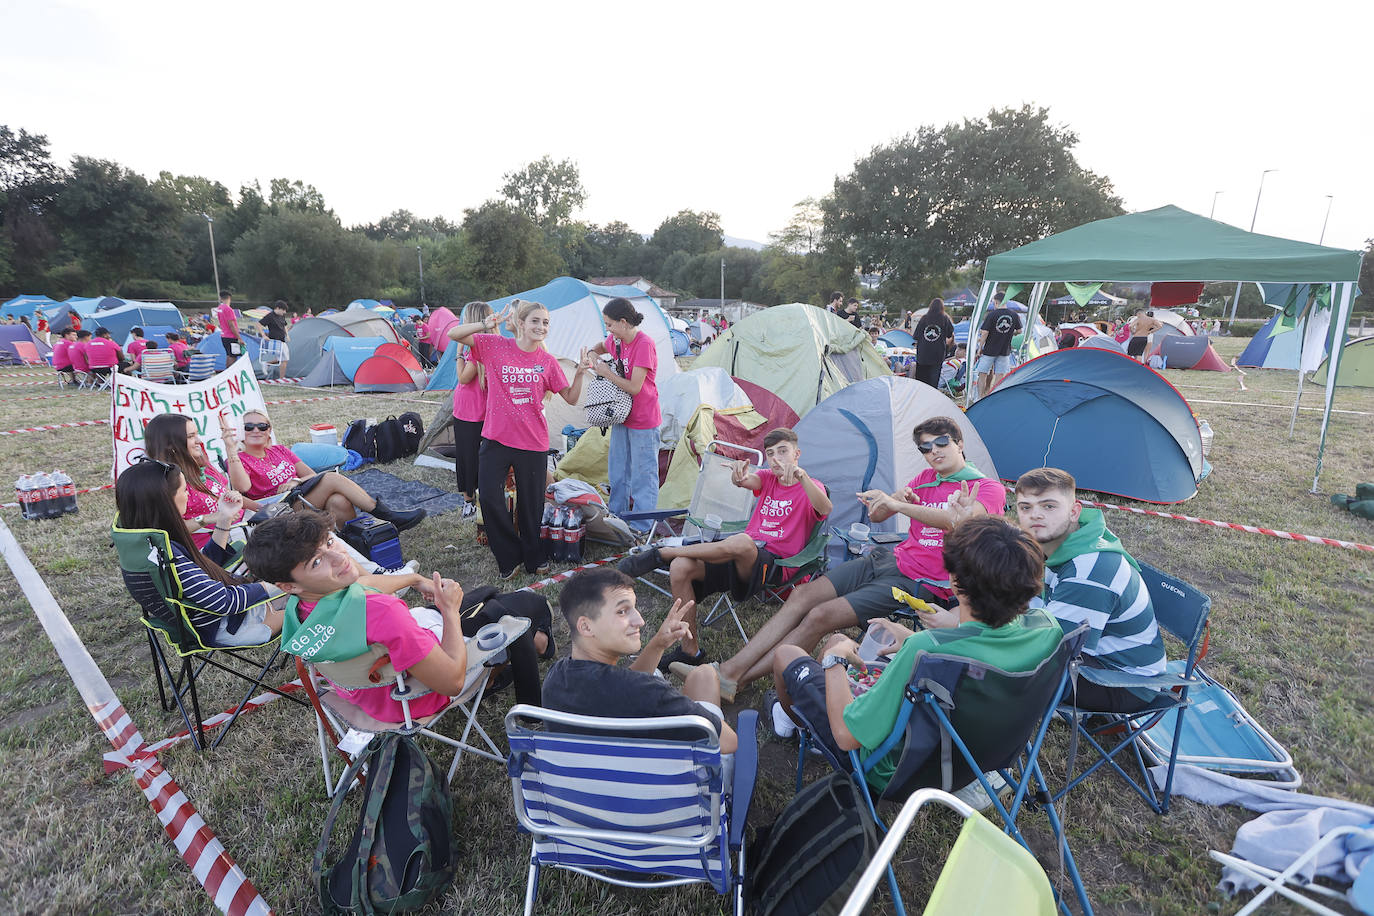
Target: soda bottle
<point x="545" y="532"/>
<point x="557" y="547"/>
<point x="42" y="502"/>
<point x="572" y="536"/>
<point x="55" y="502"/>
<point x="68" y="491"/>
<point x="23" y="490"/>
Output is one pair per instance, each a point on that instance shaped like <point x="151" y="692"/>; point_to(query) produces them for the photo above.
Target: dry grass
<point x="1289" y="636"/>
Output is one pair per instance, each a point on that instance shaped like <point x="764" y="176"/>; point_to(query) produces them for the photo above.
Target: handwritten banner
<point x="231" y="394"/>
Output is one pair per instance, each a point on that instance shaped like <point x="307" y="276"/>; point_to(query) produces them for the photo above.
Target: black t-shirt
<point x="853" y="318"/>
<point x="274" y="325"/>
<point x="931" y="334"/>
<point x="1001" y="325"/>
<point x="588" y="688"/>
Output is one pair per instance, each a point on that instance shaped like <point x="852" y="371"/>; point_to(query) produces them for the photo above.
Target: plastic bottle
<point x="68" y="491"/>
<point x="23" y="492"/>
<point x="42" y="499"/>
<point x="1205" y="431"/>
<point x="572" y="536"/>
<point x="557" y="548"/>
<point x="545" y="531"/>
<point x="55" y="504"/>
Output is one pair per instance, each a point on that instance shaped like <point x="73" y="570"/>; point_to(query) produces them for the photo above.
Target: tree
<point x="689" y="231"/>
<point x="402" y="225"/>
<point x="198" y="198"/>
<point x="29" y="181"/>
<point x="935" y="199"/>
<point x="1365" y="302"/>
<point x="505" y="251"/>
<point x="700" y="275"/>
<point x="612" y="250"/>
<point x="306" y="257"/>
<point x="802" y="234"/>
<point x="547" y="192"/>
<point x="284" y="195"/>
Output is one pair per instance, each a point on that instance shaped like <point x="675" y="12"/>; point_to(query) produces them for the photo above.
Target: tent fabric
<point x="436" y="329"/>
<point x="26" y="304"/>
<point x="138" y="314"/>
<point x="1169" y="243"/>
<point x="1166" y="295"/>
<point x="1356" y="365"/>
<point x="10" y="333"/>
<point x="1191" y="352"/>
<point x="575" y="318"/>
<point x="681" y="395"/>
<point x="1102" y="342"/>
<point x="801" y="353"/>
<point x="362" y="304"/>
<point x="445" y="375"/>
<point x="1117" y="426"/>
<point x="860" y="438"/>
<point x="351" y="351"/>
<point x="1266" y="352"/>
<point x="1098" y="298"/>
<point x="401" y="353"/>
<point x="59" y="316"/>
<point x="386" y="373"/>
<point x="682" y="344"/>
<point x="896" y="337"/>
<point x="157" y="332"/>
<point x="1174" y="323"/>
<point x="213" y="345"/>
<point x="309" y="334"/>
<point x="326" y="374"/>
<point x="700" y="332"/>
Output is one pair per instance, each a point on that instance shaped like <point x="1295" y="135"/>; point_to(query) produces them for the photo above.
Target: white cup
<point x="711" y="529"/>
<point x="858" y="538"/>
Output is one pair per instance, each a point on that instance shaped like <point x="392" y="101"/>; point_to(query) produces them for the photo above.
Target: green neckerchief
<point x="335" y="630"/>
<point x="1091" y="536"/>
<point x="967" y="472"/>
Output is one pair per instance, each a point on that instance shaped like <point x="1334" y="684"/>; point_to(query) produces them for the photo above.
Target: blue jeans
<point x="633" y="471"/>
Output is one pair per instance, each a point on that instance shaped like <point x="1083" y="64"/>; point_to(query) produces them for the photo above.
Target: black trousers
<point x="531" y="468"/>
<point x="467" y="442"/>
<point x="1097" y="698"/>
<point x="930" y="374"/>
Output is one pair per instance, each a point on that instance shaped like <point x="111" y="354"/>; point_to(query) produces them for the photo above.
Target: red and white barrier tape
<point x="335" y="397"/>
<point x="569" y="573"/>
<point x="39" y="429"/>
<point x="47" y="374"/>
<point x="105" y="486"/>
<point x="1252" y="529"/>
<point x="49" y="397"/>
<point x="215" y="721"/>
<point x="231" y="890"/>
<point x="280" y="381"/>
<point x="52" y="381"/>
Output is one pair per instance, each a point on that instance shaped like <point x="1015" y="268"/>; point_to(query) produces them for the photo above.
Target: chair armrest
<point x="1160" y="683"/>
<point x="807" y="554"/>
<point x="746" y="769"/>
<point x="657" y="515"/>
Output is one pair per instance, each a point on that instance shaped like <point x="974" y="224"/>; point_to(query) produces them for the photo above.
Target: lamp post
<point x="421" y="258"/>
<point x="1215" y="195"/>
<point x="214" y="263"/>
<point x="1253" y="217"/>
<point x="1327" y="218"/>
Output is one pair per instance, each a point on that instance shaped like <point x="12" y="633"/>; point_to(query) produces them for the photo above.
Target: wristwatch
<point x="831" y="661"/>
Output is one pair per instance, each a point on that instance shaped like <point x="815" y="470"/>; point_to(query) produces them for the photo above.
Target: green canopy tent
<point x="1172" y="244"/>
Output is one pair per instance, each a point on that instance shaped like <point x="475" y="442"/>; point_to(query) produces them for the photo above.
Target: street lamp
<point x="1215" y="195"/>
<point x="1326" y="219"/>
<point x="1253" y="217"/>
<point x="421" y="258"/>
<point x="214" y="263"/>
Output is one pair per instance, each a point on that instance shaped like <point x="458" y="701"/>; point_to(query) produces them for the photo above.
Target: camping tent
<point x="681" y="395"/>
<point x="309" y="334"/>
<point x="1357" y="365"/>
<point x="1102" y="342"/>
<point x="26" y="304"/>
<point x="59" y="316"/>
<point x="157" y="332"/>
<point x="436" y="329"/>
<point x="682" y="344"/>
<point x="134" y="314"/>
<point x="799" y="352"/>
<point x="214" y="345"/>
<point x="575" y="318"/>
<point x="363" y="304"/>
<point x="1169" y="244"/>
<point x="445" y="375"/>
<point x="1266" y="352"/>
<point x="9" y="333"/>
<point x="326" y="373"/>
<point x="896" y="337"/>
<point x="860" y="438"/>
<point x="1117" y="426"/>
<point x="388" y="371"/>
<point x="351" y="351"/>
<point x="1189" y="352"/>
<point x="1098" y="298"/>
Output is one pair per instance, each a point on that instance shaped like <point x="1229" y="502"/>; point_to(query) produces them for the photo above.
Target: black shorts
<point x="804" y="681"/>
<point x="725" y="577"/>
<point x="1136" y="346"/>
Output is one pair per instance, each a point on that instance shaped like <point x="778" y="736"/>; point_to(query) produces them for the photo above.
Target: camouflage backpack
<point x="401" y="855"/>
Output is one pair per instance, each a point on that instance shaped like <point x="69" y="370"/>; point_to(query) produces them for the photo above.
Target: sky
<point x="742" y="108"/>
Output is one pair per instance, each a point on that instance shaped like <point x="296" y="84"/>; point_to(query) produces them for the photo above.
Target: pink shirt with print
<point x="137" y="346"/>
<point x="77" y="352"/>
<point x="102" y="353"/>
<point x="270" y="471"/>
<point x="198" y="503"/>
<point x="921" y="555"/>
<point x="469" y="400"/>
<point x="61" y="358"/>
<point x="389" y="624"/>
<point x="644" y="412"/>
<point x="228" y="322"/>
<point x="783" y="517"/>
<point x="516" y="384"/>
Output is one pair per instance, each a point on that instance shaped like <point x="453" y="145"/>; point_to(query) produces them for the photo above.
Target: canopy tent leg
<point x="984" y="297"/>
<point x="1037" y="301"/>
<point x="1342" y="296"/>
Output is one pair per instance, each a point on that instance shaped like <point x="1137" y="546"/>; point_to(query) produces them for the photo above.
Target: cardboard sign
<point x="231" y="394"/>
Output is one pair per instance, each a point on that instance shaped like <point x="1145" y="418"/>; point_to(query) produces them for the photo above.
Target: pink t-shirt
<point x="470" y="400"/>
<point x="516" y="384"/>
<point x="390" y="624"/>
<point x="783" y="517"/>
<point x="198" y="503"/>
<point x="61" y="359"/>
<point x="921" y="555"/>
<point x="270" y="471"/>
<point x="77" y="353"/>
<point x="179" y="348"/>
<point x="228" y="322"/>
<point x="644" y="412"/>
<point x="102" y="353"/>
<point x="137" y="346"/>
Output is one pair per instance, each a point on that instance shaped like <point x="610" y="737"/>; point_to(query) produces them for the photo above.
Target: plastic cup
<point x="711" y="529"/>
<point x="490" y="636"/>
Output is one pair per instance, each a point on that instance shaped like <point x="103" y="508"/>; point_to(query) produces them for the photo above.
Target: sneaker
<point x="640" y="562"/>
<point x="974" y="795"/>
<point x="728" y="688"/>
<point x="469" y="510"/>
<point x="783" y="726"/>
<point x="677" y="655"/>
<point x="508" y="574"/>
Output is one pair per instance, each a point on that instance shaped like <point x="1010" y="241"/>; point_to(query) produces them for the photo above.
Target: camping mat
<point x="406" y="494"/>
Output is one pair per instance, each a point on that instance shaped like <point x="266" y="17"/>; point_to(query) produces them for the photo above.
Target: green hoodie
<point x="967" y="472"/>
<point x="1091" y="536"/>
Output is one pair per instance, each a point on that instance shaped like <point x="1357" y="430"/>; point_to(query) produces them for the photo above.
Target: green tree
<point x="689" y="231"/>
<point x="505" y="251"/>
<point x="284" y="194"/>
<point x="547" y="192"/>
<point x="199" y="197"/>
<point x="700" y="275"/>
<point x="29" y="181"/>
<point x="305" y="257"/>
<point x="402" y="225"/>
<point x="803" y="233"/>
<point x="937" y="198"/>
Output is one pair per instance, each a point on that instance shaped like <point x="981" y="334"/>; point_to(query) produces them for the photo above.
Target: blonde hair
<point x="524" y="308"/>
<point x="475" y="311"/>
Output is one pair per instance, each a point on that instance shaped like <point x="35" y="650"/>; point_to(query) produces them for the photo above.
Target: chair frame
<point x="1277" y="882"/>
<point x="727" y="818"/>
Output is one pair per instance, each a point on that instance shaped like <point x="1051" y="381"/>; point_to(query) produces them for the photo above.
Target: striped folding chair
<point x="633" y="811"/>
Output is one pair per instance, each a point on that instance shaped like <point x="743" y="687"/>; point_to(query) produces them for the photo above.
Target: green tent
<point x="1172" y="244"/>
<point x="1357" y="365"/>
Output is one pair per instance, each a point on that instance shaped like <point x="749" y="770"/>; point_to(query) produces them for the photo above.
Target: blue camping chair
<point x="961" y="719"/>
<point x="1181" y="611"/>
<point x="653" y="812"/>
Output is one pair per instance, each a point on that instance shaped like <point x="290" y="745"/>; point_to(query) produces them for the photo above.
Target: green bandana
<point x="967" y="472"/>
<point x="1091" y="536"/>
<point x="335" y="630"/>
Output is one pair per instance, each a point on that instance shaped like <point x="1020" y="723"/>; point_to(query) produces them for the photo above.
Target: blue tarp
<point x="351" y="351"/>
<point x="1115" y="425"/>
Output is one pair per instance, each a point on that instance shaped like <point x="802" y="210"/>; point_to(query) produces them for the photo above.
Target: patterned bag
<point x="605" y="403"/>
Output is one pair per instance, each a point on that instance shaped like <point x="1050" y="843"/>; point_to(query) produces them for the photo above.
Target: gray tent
<point x="309" y="334"/>
<point x="326" y="374"/>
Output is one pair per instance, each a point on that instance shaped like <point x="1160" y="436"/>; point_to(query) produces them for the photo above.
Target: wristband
<point x="218" y="528"/>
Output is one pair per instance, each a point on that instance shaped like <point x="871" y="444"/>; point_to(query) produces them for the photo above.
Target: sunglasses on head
<point x="249" y="427"/>
<point x="166" y="468"/>
<point x="929" y="445"/>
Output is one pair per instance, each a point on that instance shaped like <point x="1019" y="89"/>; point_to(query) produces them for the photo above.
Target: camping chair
<point x="269" y="358"/>
<point x="1181" y="611"/>
<point x="148" y="551"/>
<point x="158" y="366"/>
<point x="987" y="873"/>
<point x="652" y="812"/>
<point x="200" y="367"/>
<point x="27" y="354"/>
<point x="996" y="721"/>
<point x="1360" y="896"/>
<point x="335" y="716"/>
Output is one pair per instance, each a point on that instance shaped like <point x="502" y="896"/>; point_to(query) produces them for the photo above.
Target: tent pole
<point x="1340" y="318"/>
<point x="1302" y="375"/>
<point x="1037" y="301"/>
<point x="984" y="296"/>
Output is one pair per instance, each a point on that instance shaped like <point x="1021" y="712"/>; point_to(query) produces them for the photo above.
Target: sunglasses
<point x="166" y="468"/>
<point x="929" y="446"/>
<point x="249" y="427"/>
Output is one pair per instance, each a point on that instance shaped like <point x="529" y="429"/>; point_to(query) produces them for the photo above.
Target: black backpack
<point x="810" y="860"/>
<point x="388" y="440"/>
<point x="356" y="438"/>
<point x="402" y="853"/>
<point x="413" y="429"/>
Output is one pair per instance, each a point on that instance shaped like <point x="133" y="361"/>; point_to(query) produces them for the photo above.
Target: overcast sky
<point x="743" y="108"/>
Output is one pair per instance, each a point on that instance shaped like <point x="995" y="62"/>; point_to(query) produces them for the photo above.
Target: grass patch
<point x="1290" y="637"/>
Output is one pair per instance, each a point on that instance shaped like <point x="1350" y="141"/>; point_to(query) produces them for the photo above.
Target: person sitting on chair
<point x="62" y="355"/>
<point x="300" y="554"/>
<point x="790" y="503"/>
<point x="995" y="571"/>
<point x="77" y="353"/>
<point x="599" y="606"/>
<point x="1090" y="578"/>
<point x="178" y="348"/>
<point x="104" y="355"/>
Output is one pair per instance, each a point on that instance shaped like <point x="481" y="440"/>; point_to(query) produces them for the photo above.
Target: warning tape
<point x="569" y="573"/>
<point x="53" y="381"/>
<point x="1253" y="529"/>
<point x="231" y="890"/>
<point x="336" y="397"/>
<point x="280" y="381"/>
<point x="47" y="374"/>
<point x="49" y="397"/>
<point x="1357" y="413"/>
<point x="39" y="429"/>
<point x="215" y="721"/>
<point x="105" y="486"/>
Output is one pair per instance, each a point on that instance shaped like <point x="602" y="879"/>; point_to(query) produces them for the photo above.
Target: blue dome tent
<point x="214" y="345"/>
<point x="896" y="337"/>
<point x="1117" y="426"/>
<point x="26" y="304"/>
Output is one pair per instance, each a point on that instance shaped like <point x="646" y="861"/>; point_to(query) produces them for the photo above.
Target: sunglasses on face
<point x="166" y="468"/>
<point x="929" y="445"/>
<point x="249" y="427"/>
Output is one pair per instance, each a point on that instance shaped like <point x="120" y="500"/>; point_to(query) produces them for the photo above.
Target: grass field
<point x="1289" y="636"/>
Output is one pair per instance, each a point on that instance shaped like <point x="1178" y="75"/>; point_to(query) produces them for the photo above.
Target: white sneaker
<point x="975" y="797"/>
<point x="469" y="510"/>
<point x="783" y="726"/>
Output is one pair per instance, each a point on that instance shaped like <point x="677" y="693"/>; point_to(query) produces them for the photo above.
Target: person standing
<point x="228" y="328"/>
<point x="469" y="411"/>
<point x="994" y="345"/>
<point x="851" y="313"/>
<point x="519" y="373"/>
<point x="836" y="303"/>
<point x="632" y="465"/>
<point x="276" y="326"/>
<point x="1142" y="326"/>
<point x="934" y="337"/>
